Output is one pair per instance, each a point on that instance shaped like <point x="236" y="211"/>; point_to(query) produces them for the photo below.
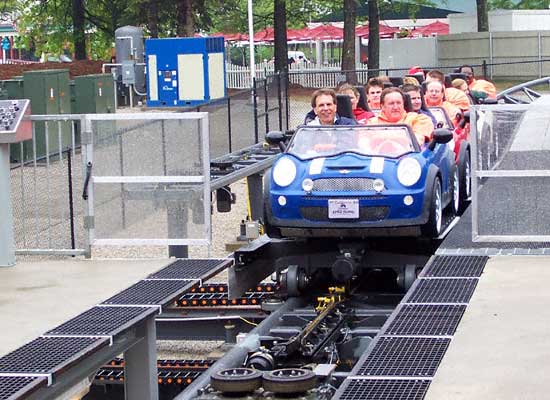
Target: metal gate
<point x="511" y="172"/>
<point x="147" y="179"/>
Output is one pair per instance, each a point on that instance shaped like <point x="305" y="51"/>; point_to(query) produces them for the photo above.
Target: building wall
<point x="502" y="21"/>
<point x="404" y="53"/>
<point x="514" y="51"/>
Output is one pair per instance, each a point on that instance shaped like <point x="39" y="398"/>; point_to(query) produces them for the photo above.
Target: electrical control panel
<point x="13" y="126"/>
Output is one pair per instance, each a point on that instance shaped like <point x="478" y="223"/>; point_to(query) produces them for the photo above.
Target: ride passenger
<point x="475" y="95"/>
<point x="374" y="90"/>
<point x="392" y="111"/>
<point x="435" y="97"/>
<point x="361" y="116"/>
<point x="478" y="85"/>
<point x="417" y="101"/>
<point x="452" y="95"/>
<point x="323" y="102"/>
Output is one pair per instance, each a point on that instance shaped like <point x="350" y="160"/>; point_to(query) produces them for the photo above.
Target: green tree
<point x="482" y="16"/>
<point x="348" y="49"/>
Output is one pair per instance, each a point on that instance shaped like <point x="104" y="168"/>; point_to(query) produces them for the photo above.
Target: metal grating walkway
<point x="426" y="320"/>
<point x="103" y="321"/>
<point x="385" y="389"/>
<point x="19" y="387"/>
<point x="151" y="292"/>
<point x="455" y="266"/>
<point x="49" y="355"/>
<point x="444" y="290"/>
<point x="196" y="269"/>
<point x="405" y="355"/>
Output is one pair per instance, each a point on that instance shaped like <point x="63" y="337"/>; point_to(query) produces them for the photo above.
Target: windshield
<point x="383" y="141"/>
<point x="441" y="117"/>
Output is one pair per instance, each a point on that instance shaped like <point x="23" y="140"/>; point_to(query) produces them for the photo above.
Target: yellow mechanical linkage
<point x="336" y="296"/>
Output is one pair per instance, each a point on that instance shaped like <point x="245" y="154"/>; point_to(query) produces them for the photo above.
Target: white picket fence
<point x="306" y="75"/>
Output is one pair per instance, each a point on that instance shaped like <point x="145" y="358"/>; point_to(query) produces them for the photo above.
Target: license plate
<point x="343" y="208"/>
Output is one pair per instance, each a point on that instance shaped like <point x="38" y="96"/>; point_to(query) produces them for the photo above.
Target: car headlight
<point x="284" y="172"/>
<point x="408" y="171"/>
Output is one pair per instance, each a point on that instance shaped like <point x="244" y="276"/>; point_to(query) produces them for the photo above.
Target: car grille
<point x="342" y="184"/>
<point x="365" y="213"/>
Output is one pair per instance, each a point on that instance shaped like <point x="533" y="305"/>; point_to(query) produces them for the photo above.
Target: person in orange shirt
<point x="478" y="85"/>
<point x="435" y="97"/>
<point x="392" y="111"/>
<point x="452" y="95"/>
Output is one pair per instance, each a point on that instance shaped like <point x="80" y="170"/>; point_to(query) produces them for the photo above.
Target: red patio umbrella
<point x="435" y="28"/>
<point x="265" y="35"/>
<point x="297" y="34"/>
<point x="386" y="32"/>
<point x="326" y="32"/>
<point x="230" y="37"/>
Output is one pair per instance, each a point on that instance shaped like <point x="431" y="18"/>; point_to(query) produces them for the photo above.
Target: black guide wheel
<point x="410" y="275"/>
<point x="294" y="280"/>
<point x="289" y="380"/>
<point x="407" y="276"/>
<point x="236" y="380"/>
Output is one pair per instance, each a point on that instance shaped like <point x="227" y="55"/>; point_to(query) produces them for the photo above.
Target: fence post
<point x="7" y="243"/>
<point x="484" y="69"/>
<point x="229" y="124"/>
<point x="280" y="101"/>
<point x="255" y="103"/>
<point x="71" y="201"/>
<point x="266" y="105"/>
<point x="539" y="40"/>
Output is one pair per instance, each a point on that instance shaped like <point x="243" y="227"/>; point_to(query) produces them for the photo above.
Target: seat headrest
<point x="343" y="106"/>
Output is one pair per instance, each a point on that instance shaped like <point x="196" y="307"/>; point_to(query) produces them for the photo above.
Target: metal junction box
<point x="94" y="94"/>
<point x="185" y="71"/>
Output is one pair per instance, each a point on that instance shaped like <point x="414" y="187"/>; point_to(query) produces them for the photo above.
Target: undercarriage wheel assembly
<point x="289" y="380"/>
<point x="407" y="276"/>
<point x="236" y="380"/>
<point x="293" y="280"/>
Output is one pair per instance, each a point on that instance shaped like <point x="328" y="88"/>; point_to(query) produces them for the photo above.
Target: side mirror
<point x="440" y="136"/>
<point x="276" y="138"/>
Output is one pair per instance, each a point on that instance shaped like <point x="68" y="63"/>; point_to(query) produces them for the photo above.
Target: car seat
<point x="362" y="102"/>
<point x="396" y="81"/>
<point x="343" y="106"/>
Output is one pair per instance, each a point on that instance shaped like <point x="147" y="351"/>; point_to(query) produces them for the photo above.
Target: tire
<point x="465" y="175"/>
<point x="454" y="204"/>
<point x="289" y="380"/>
<point x="432" y="228"/>
<point x="236" y="380"/>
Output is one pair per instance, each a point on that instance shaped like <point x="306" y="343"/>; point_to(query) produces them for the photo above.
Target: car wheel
<point x="455" y="195"/>
<point x="236" y="380"/>
<point x="432" y="228"/>
<point x="289" y="380"/>
<point x="465" y="173"/>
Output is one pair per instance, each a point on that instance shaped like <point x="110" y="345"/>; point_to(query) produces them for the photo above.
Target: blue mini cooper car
<point x="359" y="181"/>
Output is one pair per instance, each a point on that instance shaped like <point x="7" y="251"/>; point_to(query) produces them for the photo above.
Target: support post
<point x="7" y="244"/>
<point x="177" y="214"/>
<point x="255" y="196"/>
<point x="140" y="365"/>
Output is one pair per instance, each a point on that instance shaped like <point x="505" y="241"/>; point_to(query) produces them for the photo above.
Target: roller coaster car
<point x="460" y="144"/>
<point x="359" y="181"/>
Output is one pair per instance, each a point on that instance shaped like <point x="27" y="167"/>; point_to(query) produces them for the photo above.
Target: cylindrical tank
<point x="129" y="46"/>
